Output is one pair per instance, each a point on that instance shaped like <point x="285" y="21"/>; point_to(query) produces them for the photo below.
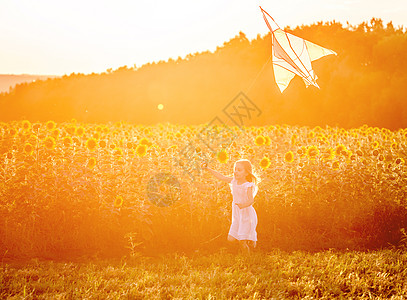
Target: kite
<point x="292" y="55"/>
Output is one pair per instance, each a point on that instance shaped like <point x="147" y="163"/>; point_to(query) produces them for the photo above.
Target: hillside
<point x="9" y="81"/>
<point x="364" y="84"/>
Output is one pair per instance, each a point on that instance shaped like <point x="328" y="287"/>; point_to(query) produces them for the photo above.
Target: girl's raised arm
<point x="217" y="174"/>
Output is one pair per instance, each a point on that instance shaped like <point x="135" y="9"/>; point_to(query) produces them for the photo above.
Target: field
<point x="221" y="275"/>
<point x="74" y="189"/>
<point x="120" y="210"/>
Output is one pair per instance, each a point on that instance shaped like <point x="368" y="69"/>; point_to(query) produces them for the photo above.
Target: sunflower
<point x="178" y="135"/>
<point x="399" y="161"/>
<point x="49" y="142"/>
<point x="55" y="133"/>
<point x="80" y="131"/>
<point x="294" y="138"/>
<point x="265" y="162"/>
<point x="118" y="152"/>
<point x="26" y="125"/>
<point x="91" y="163"/>
<point x="50" y="125"/>
<point x="340" y="150"/>
<point x="375" y="152"/>
<point x="260" y="140"/>
<point x="222" y="156"/>
<point x="91" y="144"/>
<point x="118" y="202"/>
<point x="102" y="144"/>
<point x="359" y="152"/>
<point x="375" y="144"/>
<point x="329" y="154"/>
<point x="145" y="141"/>
<point x="67" y="141"/>
<point x="268" y="140"/>
<point x="335" y="165"/>
<point x="312" y="152"/>
<point x="36" y="126"/>
<point x="28" y="148"/>
<point x="394" y="145"/>
<point x="70" y="129"/>
<point x="141" y="150"/>
<point x="289" y="157"/>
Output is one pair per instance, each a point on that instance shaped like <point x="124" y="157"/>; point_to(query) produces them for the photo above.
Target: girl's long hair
<point x="249" y="169"/>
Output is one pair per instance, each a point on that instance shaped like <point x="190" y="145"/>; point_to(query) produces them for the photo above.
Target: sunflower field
<point x="111" y="189"/>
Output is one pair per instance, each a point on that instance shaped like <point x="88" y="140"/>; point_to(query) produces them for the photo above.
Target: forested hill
<point x="364" y="84"/>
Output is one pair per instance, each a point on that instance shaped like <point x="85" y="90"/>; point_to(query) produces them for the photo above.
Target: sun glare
<point x="160" y="106"/>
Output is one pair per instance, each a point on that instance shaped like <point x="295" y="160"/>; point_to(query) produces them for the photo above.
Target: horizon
<point x="89" y="39"/>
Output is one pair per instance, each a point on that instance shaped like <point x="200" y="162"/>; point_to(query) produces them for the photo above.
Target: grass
<point x="276" y="274"/>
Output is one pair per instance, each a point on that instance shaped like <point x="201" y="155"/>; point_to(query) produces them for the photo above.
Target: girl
<point x="244" y="217"/>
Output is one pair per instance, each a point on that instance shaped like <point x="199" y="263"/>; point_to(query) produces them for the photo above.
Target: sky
<point x="51" y="37"/>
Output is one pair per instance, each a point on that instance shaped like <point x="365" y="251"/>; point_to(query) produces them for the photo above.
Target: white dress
<point x="244" y="221"/>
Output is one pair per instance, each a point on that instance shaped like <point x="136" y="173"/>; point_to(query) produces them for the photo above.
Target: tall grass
<point x="275" y="275"/>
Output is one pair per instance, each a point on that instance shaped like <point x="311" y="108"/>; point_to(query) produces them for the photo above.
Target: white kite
<point x="293" y="55"/>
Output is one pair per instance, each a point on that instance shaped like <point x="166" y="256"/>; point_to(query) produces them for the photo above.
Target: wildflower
<point x="118" y="202"/>
<point x="91" y="163"/>
<point x="265" y="163"/>
<point x="49" y="142"/>
<point x="50" y="125"/>
<point x="141" y="150"/>
<point x="91" y="144"/>
<point x="312" y="152"/>
<point x="289" y="157"/>
<point x="260" y="140"/>
<point x="222" y="156"/>
<point x="28" y="148"/>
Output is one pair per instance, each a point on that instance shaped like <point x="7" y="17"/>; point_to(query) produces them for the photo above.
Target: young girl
<point x="244" y="217"/>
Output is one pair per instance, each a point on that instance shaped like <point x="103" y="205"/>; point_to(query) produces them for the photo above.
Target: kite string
<point x="257" y="76"/>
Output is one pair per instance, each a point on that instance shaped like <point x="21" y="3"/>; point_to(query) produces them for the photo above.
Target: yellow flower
<point x="49" y="142"/>
<point x="145" y="141"/>
<point x="329" y="154"/>
<point x="50" y="125"/>
<point x="118" y="152"/>
<point x="375" y="144"/>
<point x="260" y="140"/>
<point x="335" y="165"/>
<point x="359" y="152"/>
<point x="91" y="163"/>
<point x="289" y="157"/>
<point x="118" y="202"/>
<point x="80" y="131"/>
<point x="67" y="141"/>
<point x="55" y="133"/>
<point x="340" y="150"/>
<point x="36" y="126"/>
<point x="312" y="152"/>
<point x="102" y="144"/>
<point x="91" y="144"/>
<point x="265" y="163"/>
<point x="28" y="148"/>
<point x="268" y="140"/>
<point x="394" y="145"/>
<point x="26" y="125"/>
<point x="222" y="156"/>
<point x="375" y="152"/>
<point x="399" y="161"/>
<point x="141" y="150"/>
